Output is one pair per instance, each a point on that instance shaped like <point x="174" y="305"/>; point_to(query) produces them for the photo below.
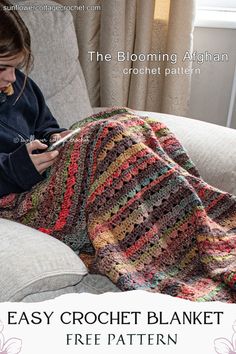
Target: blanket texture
<point x="126" y="191"/>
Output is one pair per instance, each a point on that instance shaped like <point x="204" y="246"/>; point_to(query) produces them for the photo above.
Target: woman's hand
<point x="57" y="136"/>
<point x="41" y="161"/>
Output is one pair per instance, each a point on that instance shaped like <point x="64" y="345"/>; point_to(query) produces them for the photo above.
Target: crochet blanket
<point x="126" y="192"/>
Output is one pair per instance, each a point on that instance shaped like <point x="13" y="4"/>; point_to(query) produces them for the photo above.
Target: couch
<point x="35" y="266"/>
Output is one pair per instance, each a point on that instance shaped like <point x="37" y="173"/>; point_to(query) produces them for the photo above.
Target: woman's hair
<point x="14" y="36"/>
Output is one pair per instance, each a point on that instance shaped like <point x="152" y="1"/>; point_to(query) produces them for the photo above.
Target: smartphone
<point x="62" y="141"/>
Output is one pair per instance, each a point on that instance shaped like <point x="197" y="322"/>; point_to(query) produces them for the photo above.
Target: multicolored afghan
<point x="126" y="190"/>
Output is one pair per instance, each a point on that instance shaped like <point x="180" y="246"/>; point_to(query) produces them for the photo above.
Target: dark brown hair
<point x="14" y="36"/>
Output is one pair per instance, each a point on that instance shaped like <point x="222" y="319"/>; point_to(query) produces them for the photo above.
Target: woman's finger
<point x="44" y="157"/>
<point x="43" y="166"/>
<point x="57" y="136"/>
<point x="35" y="145"/>
<point x="54" y="138"/>
<point x="41" y="163"/>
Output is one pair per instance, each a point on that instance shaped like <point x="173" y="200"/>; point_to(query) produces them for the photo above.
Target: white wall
<point x="211" y="89"/>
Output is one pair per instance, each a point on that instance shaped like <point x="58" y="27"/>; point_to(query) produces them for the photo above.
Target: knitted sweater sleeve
<point x="17" y="172"/>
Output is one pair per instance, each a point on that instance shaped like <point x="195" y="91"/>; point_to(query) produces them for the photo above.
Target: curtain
<point x="132" y="52"/>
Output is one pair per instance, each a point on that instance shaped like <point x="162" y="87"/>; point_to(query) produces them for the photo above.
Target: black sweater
<point x="28" y="119"/>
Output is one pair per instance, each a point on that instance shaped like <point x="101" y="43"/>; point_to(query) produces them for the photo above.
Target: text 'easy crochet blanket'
<point x="126" y="190"/>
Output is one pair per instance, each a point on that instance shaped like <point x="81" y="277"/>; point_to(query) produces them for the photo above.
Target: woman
<point x="36" y="122"/>
<point x="124" y="190"/>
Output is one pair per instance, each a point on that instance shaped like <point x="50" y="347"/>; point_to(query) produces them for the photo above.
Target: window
<point x="219" y="5"/>
<point x="216" y="13"/>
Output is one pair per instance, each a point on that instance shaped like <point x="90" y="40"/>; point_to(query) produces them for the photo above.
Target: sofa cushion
<point x="56" y="70"/>
<point x="32" y="262"/>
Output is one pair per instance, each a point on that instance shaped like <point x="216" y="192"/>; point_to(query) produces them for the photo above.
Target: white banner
<point x="132" y="322"/>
